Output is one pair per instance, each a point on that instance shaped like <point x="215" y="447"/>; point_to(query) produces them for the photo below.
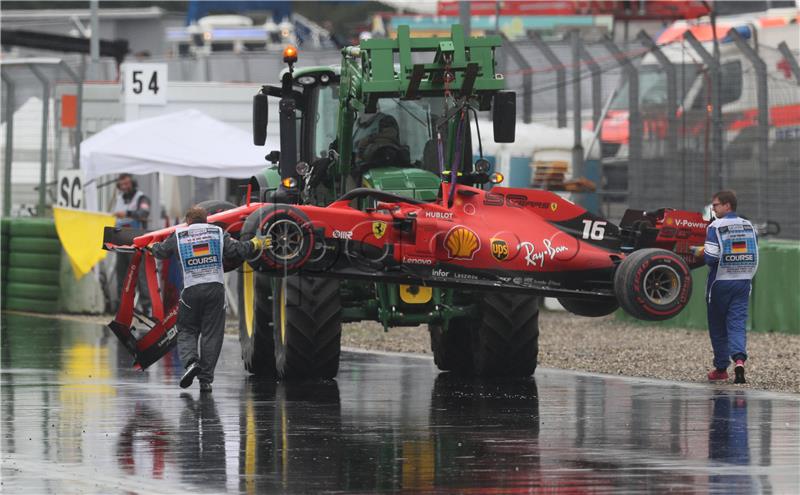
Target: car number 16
<point x="594" y="229"/>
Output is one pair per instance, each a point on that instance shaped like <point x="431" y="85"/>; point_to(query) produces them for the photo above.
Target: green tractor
<point x="396" y="117"/>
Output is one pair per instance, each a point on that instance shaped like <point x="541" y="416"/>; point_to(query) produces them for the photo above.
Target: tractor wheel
<point x="255" y="322"/>
<point x="507" y="341"/>
<point x="213" y="206"/>
<point x="290" y="233"/>
<point x="308" y="327"/>
<point x="451" y="346"/>
<point x="588" y="307"/>
<point x="653" y="284"/>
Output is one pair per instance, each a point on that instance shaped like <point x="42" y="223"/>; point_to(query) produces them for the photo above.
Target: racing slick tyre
<point x="308" y="327"/>
<point x="213" y="206"/>
<point x="653" y="284"/>
<point x="588" y="307"/>
<point x="290" y="233"/>
<point x="507" y="341"/>
<point x="451" y="346"/>
<point x="255" y="322"/>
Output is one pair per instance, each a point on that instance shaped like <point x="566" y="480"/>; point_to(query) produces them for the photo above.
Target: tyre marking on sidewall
<point x="282" y="302"/>
<point x="248" y="294"/>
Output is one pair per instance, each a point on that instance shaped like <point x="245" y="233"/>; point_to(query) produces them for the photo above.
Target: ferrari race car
<point x="504" y="239"/>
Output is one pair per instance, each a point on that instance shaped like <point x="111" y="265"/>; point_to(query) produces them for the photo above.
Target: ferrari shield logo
<point x="499" y="249"/>
<point x="378" y="229"/>
<point x="554" y="206"/>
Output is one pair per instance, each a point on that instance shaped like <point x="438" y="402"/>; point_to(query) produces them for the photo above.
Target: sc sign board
<point x="70" y="189"/>
<point x="144" y="84"/>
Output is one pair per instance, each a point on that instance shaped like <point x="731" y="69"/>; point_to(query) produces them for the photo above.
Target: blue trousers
<point x="727" y="320"/>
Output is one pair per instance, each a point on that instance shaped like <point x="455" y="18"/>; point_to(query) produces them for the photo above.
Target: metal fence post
<point x="716" y="108"/>
<point x="577" y="145"/>
<point x="561" y="77"/>
<point x="672" y="102"/>
<point x="9" y="152"/>
<point x="763" y="114"/>
<point x="43" y="151"/>
<point x="76" y="160"/>
<point x="527" y="78"/>
<point x="634" y="118"/>
<point x="597" y="85"/>
<point x="789" y="57"/>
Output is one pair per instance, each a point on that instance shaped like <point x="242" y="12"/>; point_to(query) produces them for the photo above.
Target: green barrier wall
<point x="31" y="257"/>
<point x="776" y="291"/>
<point x="774" y="303"/>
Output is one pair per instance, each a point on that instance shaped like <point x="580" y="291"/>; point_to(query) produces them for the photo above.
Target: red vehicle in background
<point x="739" y="95"/>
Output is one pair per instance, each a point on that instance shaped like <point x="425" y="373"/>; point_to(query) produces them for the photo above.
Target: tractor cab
<point x="373" y="122"/>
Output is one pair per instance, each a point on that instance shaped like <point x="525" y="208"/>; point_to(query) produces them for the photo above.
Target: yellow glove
<point x="697" y="251"/>
<point x="261" y="243"/>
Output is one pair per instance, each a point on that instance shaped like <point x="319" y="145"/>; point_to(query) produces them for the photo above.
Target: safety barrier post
<point x="635" y="172"/>
<point x="561" y="77"/>
<point x="716" y="109"/>
<point x="43" y="151"/>
<point x="789" y="57"/>
<point x="527" y="78"/>
<point x="672" y="105"/>
<point x="76" y="163"/>
<point x="577" y="145"/>
<point x="763" y="115"/>
<point x="9" y="154"/>
<point x="597" y="85"/>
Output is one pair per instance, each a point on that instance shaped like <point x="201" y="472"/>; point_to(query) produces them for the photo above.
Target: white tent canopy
<point x="181" y="143"/>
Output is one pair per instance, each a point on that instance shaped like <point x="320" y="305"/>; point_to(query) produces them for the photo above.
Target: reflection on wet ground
<point x="77" y="419"/>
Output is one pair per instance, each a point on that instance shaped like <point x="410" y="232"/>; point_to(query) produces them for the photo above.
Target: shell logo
<point x="462" y="243"/>
<point x="669" y="221"/>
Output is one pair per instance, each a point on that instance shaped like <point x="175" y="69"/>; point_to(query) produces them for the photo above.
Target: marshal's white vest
<point x="738" y="249"/>
<point x="200" y="251"/>
<point x="121" y="206"/>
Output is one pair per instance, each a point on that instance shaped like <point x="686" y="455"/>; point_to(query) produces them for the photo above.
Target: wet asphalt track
<point x="76" y="419"/>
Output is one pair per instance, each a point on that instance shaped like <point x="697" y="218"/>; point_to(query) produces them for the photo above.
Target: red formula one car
<point x="505" y="239"/>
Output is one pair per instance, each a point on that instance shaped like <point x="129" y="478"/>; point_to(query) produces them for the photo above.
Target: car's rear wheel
<point x="653" y="284"/>
<point x="308" y="327"/>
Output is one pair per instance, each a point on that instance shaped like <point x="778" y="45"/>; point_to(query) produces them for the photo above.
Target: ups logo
<point x="499" y="249"/>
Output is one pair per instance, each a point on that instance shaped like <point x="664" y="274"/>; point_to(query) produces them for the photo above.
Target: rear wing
<point x="673" y="230"/>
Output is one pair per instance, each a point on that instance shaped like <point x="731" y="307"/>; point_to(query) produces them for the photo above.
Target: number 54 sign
<point x="144" y="84"/>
